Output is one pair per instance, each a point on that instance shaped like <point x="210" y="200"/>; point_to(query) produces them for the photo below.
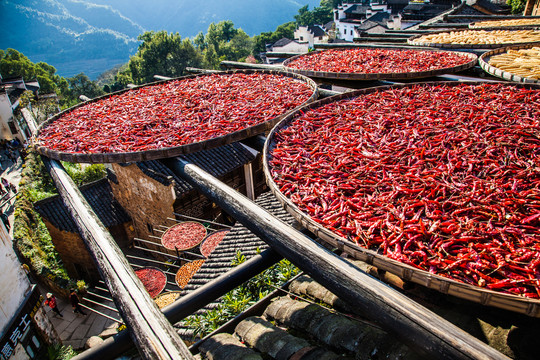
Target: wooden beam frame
<point x="154" y="336"/>
<point x="414" y="325"/>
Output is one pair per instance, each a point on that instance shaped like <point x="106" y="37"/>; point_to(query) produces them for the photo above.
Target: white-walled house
<point x="313" y="34"/>
<point x="10" y="92"/>
<point x="24" y="326"/>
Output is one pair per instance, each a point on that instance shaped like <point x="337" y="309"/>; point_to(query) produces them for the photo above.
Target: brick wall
<point x="147" y="201"/>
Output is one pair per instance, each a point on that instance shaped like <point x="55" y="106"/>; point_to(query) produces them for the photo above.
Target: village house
<point x="150" y="193"/>
<point x="12" y="127"/>
<point x="25" y="330"/>
<point x="375" y="16"/>
<point x="66" y="237"/>
<point x="313" y="34"/>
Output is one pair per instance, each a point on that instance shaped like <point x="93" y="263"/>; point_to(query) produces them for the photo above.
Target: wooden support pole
<point x="414" y="325"/>
<point x="154" y="336"/>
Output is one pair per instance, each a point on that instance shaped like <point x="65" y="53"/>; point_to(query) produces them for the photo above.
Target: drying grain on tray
<point x="521" y="62"/>
<point x="505" y="23"/>
<point x="479" y="37"/>
<point x="186" y="272"/>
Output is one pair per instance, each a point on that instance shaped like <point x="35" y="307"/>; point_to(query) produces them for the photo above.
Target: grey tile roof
<point x="218" y="162"/>
<point x="220" y="260"/>
<point x="99" y="196"/>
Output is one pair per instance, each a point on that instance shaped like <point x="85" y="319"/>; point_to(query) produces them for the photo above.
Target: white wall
<point x="14" y="283"/>
<point x="6" y="114"/>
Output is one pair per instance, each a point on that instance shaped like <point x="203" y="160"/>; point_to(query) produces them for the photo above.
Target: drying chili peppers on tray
<point x="183" y="236"/>
<point x="174" y="113"/>
<point x="212" y="241"/>
<point x="373" y="61"/>
<point x="154" y="280"/>
<point x="442" y="177"/>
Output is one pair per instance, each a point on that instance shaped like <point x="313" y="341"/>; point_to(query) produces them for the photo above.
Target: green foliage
<point x="161" y="53"/>
<point x="84" y="174"/>
<point x="518" y="6"/>
<point x="14" y="63"/>
<point x="82" y="85"/>
<point x="319" y="15"/>
<point x="284" y="30"/>
<point x="239" y="299"/>
<point x="60" y="352"/>
<point x="31" y="236"/>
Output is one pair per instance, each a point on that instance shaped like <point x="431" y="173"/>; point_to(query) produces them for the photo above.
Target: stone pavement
<point x="76" y="329"/>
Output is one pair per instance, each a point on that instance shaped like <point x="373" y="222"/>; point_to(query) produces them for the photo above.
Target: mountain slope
<point x="92" y="36"/>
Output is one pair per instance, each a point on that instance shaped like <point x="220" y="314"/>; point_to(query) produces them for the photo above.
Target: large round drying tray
<point x="152" y="273"/>
<point x="380" y="76"/>
<point x="180" y="236"/>
<point x="522" y="23"/>
<point x="483" y="61"/>
<point x="515" y="303"/>
<point x="126" y="157"/>
<point x="414" y="40"/>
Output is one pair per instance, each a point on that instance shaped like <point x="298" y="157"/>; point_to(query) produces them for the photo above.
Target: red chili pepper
<point x="174" y="113"/>
<point x="444" y="178"/>
<point x="373" y="61"/>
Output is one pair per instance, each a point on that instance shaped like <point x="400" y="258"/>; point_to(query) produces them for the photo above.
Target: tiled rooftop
<point x="99" y="196"/>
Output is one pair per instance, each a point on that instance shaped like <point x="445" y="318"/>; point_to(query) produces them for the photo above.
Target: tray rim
<point x="153" y="268"/>
<point x="447" y="286"/>
<point x="411" y="40"/>
<point x="483" y="61"/>
<point x="178" y="224"/>
<point x="156" y="154"/>
<point x="380" y="76"/>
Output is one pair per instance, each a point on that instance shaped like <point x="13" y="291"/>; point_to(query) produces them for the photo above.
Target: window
<point x="12" y="127"/>
<point x="344" y="31"/>
<point x="301" y="38"/>
<point x="351" y="32"/>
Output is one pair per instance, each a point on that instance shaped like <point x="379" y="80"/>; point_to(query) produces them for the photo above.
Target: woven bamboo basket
<point x="483" y="61"/>
<point x="209" y="236"/>
<point x="515" y="303"/>
<point x="186" y="272"/>
<point x="379" y="76"/>
<point x="413" y="40"/>
<point x="194" y="245"/>
<point x="167" y="298"/>
<point x="126" y="157"/>
<point x="161" y="272"/>
<point x="535" y="25"/>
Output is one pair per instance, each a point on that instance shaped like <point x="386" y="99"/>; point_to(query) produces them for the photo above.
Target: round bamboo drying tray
<point x="534" y="25"/>
<point x="166" y="298"/>
<point x="413" y="41"/>
<point x="380" y="76"/>
<point x="154" y="154"/>
<point x="191" y="245"/>
<point x="186" y="272"/>
<point x="206" y="253"/>
<point x="158" y="271"/>
<point x="483" y="61"/>
<point x="515" y="303"/>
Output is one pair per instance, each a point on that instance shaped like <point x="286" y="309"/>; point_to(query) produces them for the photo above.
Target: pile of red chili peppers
<point x="445" y="178"/>
<point x="174" y="113"/>
<point x="378" y="61"/>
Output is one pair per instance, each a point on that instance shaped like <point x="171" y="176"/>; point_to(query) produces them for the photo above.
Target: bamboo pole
<point x="413" y="324"/>
<point x="153" y="335"/>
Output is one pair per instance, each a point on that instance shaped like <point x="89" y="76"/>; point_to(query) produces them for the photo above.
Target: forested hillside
<point x="92" y="36"/>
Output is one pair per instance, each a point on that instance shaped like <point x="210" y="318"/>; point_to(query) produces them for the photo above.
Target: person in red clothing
<point x="51" y="301"/>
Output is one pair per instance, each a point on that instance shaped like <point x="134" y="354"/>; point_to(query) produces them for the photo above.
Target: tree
<point x="82" y="85"/>
<point x="284" y="30"/>
<point x="320" y="15"/>
<point x="518" y="6"/>
<point x="164" y="54"/>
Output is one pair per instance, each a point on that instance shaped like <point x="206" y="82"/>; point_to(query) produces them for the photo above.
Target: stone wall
<point x="148" y="202"/>
<point x="74" y="253"/>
